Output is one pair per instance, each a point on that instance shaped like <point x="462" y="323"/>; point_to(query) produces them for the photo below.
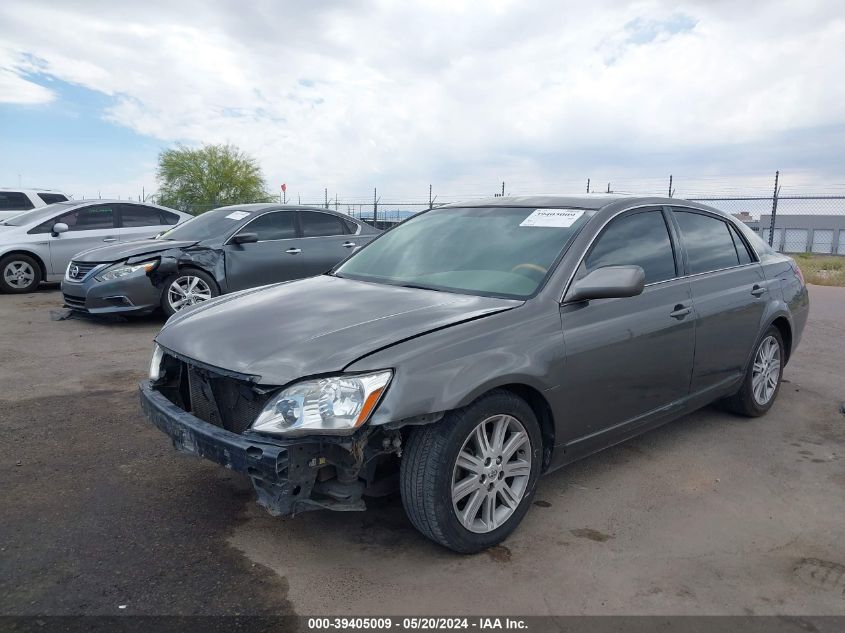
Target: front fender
<point x="447" y="369"/>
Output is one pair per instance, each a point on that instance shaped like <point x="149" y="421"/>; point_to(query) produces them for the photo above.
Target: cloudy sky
<point x="355" y="94"/>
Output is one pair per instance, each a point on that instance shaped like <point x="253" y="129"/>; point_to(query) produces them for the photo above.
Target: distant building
<point x="746" y="217"/>
<point x="805" y="233"/>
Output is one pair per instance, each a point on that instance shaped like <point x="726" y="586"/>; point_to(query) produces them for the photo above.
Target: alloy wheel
<point x="491" y="473"/>
<point x="19" y="274"/>
<point x="187" y="291"/>
<point x="765" y="372"/>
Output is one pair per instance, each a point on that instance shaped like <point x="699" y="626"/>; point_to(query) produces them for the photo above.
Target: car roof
<point x="267" y="206"/>
<point x="590" y="201"/>
<point x="31" y="190"/>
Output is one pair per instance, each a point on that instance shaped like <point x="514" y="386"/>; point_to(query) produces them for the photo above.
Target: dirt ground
<point x="712" y="514"/>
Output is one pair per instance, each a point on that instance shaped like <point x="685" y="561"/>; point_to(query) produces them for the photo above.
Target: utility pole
<point x="588" y="185"/>
<point x="335" y="201"/>
<point x="671" y="191"/>
<point x="327" y="197"/>
<point x="774" y="210"/>
<point x="503" y="188"/>
<point x="430" y="203"/>
<point x="608" y="187"/>
<point x="375" y="207"/>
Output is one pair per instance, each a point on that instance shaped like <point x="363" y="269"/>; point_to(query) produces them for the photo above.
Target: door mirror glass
<point x="245" y="238"/>
<point x="60" y="227"/>
<point x="609" y="282"/>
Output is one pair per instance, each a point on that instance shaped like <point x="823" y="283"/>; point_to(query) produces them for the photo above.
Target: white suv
<point x="15" y="201"/>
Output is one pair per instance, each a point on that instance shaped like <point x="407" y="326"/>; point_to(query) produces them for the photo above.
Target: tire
<point x="746" y="401"/>
<point x="19" y="273"/>
<point x="204" y="288"/>
<point x="429" y="472"/>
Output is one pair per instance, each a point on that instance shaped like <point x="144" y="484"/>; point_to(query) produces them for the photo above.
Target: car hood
<point x="124" y="250"/>
<point x="313" y="326"/>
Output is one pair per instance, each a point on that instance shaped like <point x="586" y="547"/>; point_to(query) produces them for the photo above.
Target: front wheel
<point x="762" y="380"/>
<point x="467" y="481"/>
<point x="186" y="288"/>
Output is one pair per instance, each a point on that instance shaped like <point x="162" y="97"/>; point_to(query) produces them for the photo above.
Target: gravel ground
<point x="712" y="514"/>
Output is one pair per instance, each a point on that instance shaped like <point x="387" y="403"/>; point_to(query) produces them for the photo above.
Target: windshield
<point x="38" y="215"/>
<point x="499" y="251"/>
<point x="211" y="224"/>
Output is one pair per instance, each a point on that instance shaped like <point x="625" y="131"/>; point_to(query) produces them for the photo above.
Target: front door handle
<point x="680" y="311"/>
<point x="109" y="239"/>
<point x="293" y="251"/>
<point x="348" y="244"/>
<point x="757" y="290"/>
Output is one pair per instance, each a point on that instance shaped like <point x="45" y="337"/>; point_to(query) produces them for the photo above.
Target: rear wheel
<point x="19" y="273"/>
<point x="467" y="481"/>
<point x="186" y="288"/>
<point x="762" y="379"/>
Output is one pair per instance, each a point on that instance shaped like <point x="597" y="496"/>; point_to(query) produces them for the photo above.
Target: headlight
<point x="155" y="363"/>
<point x="124" y="270"/>
<point x="336" y="405"/>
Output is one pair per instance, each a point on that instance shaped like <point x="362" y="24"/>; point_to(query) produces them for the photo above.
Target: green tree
<point x="199" y="179"/>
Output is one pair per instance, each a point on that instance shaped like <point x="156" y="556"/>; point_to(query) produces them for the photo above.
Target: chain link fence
<point x="805" y="223"/>
<point x="791" y="224"/>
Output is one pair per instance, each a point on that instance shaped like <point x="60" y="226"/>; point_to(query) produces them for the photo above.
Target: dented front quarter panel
<point x="211" y="260"/>
<point x="447" y="369"/>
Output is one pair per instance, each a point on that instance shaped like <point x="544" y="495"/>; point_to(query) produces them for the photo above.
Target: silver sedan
<point x="37" y="245"/>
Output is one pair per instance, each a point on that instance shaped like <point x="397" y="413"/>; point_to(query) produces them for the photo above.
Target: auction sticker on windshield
<point x="238" y="215"/>
<point x="552" y="217"/>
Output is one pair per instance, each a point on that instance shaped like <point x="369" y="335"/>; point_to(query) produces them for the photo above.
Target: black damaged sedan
<point x="470" y="349"/>
<point x="221" y="251"/>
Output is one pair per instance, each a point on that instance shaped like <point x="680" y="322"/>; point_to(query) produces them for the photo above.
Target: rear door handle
<point x="757" y="290"/>
<point x="109" y="239"/>
<point x="680" y="311"/>
<point x="348" y="244"/>
<point x="293" y="251"/>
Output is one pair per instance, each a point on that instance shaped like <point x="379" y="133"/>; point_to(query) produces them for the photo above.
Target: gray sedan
<point x="473" y="348"/>
<point x="37" y="245"/>
<point x="220" y="251"/>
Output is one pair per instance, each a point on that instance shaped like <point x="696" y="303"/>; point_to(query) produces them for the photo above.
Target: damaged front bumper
<point x="284" y="473"/>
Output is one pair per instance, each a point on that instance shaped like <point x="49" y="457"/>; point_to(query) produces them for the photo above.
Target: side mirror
<point x="60" y="227"/>
<point x="610" y="282"/>
<point x="245" y="238"/>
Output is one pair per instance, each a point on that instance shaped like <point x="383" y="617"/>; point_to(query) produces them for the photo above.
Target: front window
<point x="640" y="239"/>
<point x="81" y="219"/>
<point x="498" y="251"/>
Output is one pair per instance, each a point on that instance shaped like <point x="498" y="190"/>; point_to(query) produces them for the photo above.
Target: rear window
<point x="134" y="215"/>
<point x="15" y="201"/>
<point x="52" y="198"/>
<point x="708" y="240"/>
<point x="316" y="224"/>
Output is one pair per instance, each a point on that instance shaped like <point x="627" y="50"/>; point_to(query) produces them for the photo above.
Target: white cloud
<point x="14" y="87"/>
<point x="350" y="95"/>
